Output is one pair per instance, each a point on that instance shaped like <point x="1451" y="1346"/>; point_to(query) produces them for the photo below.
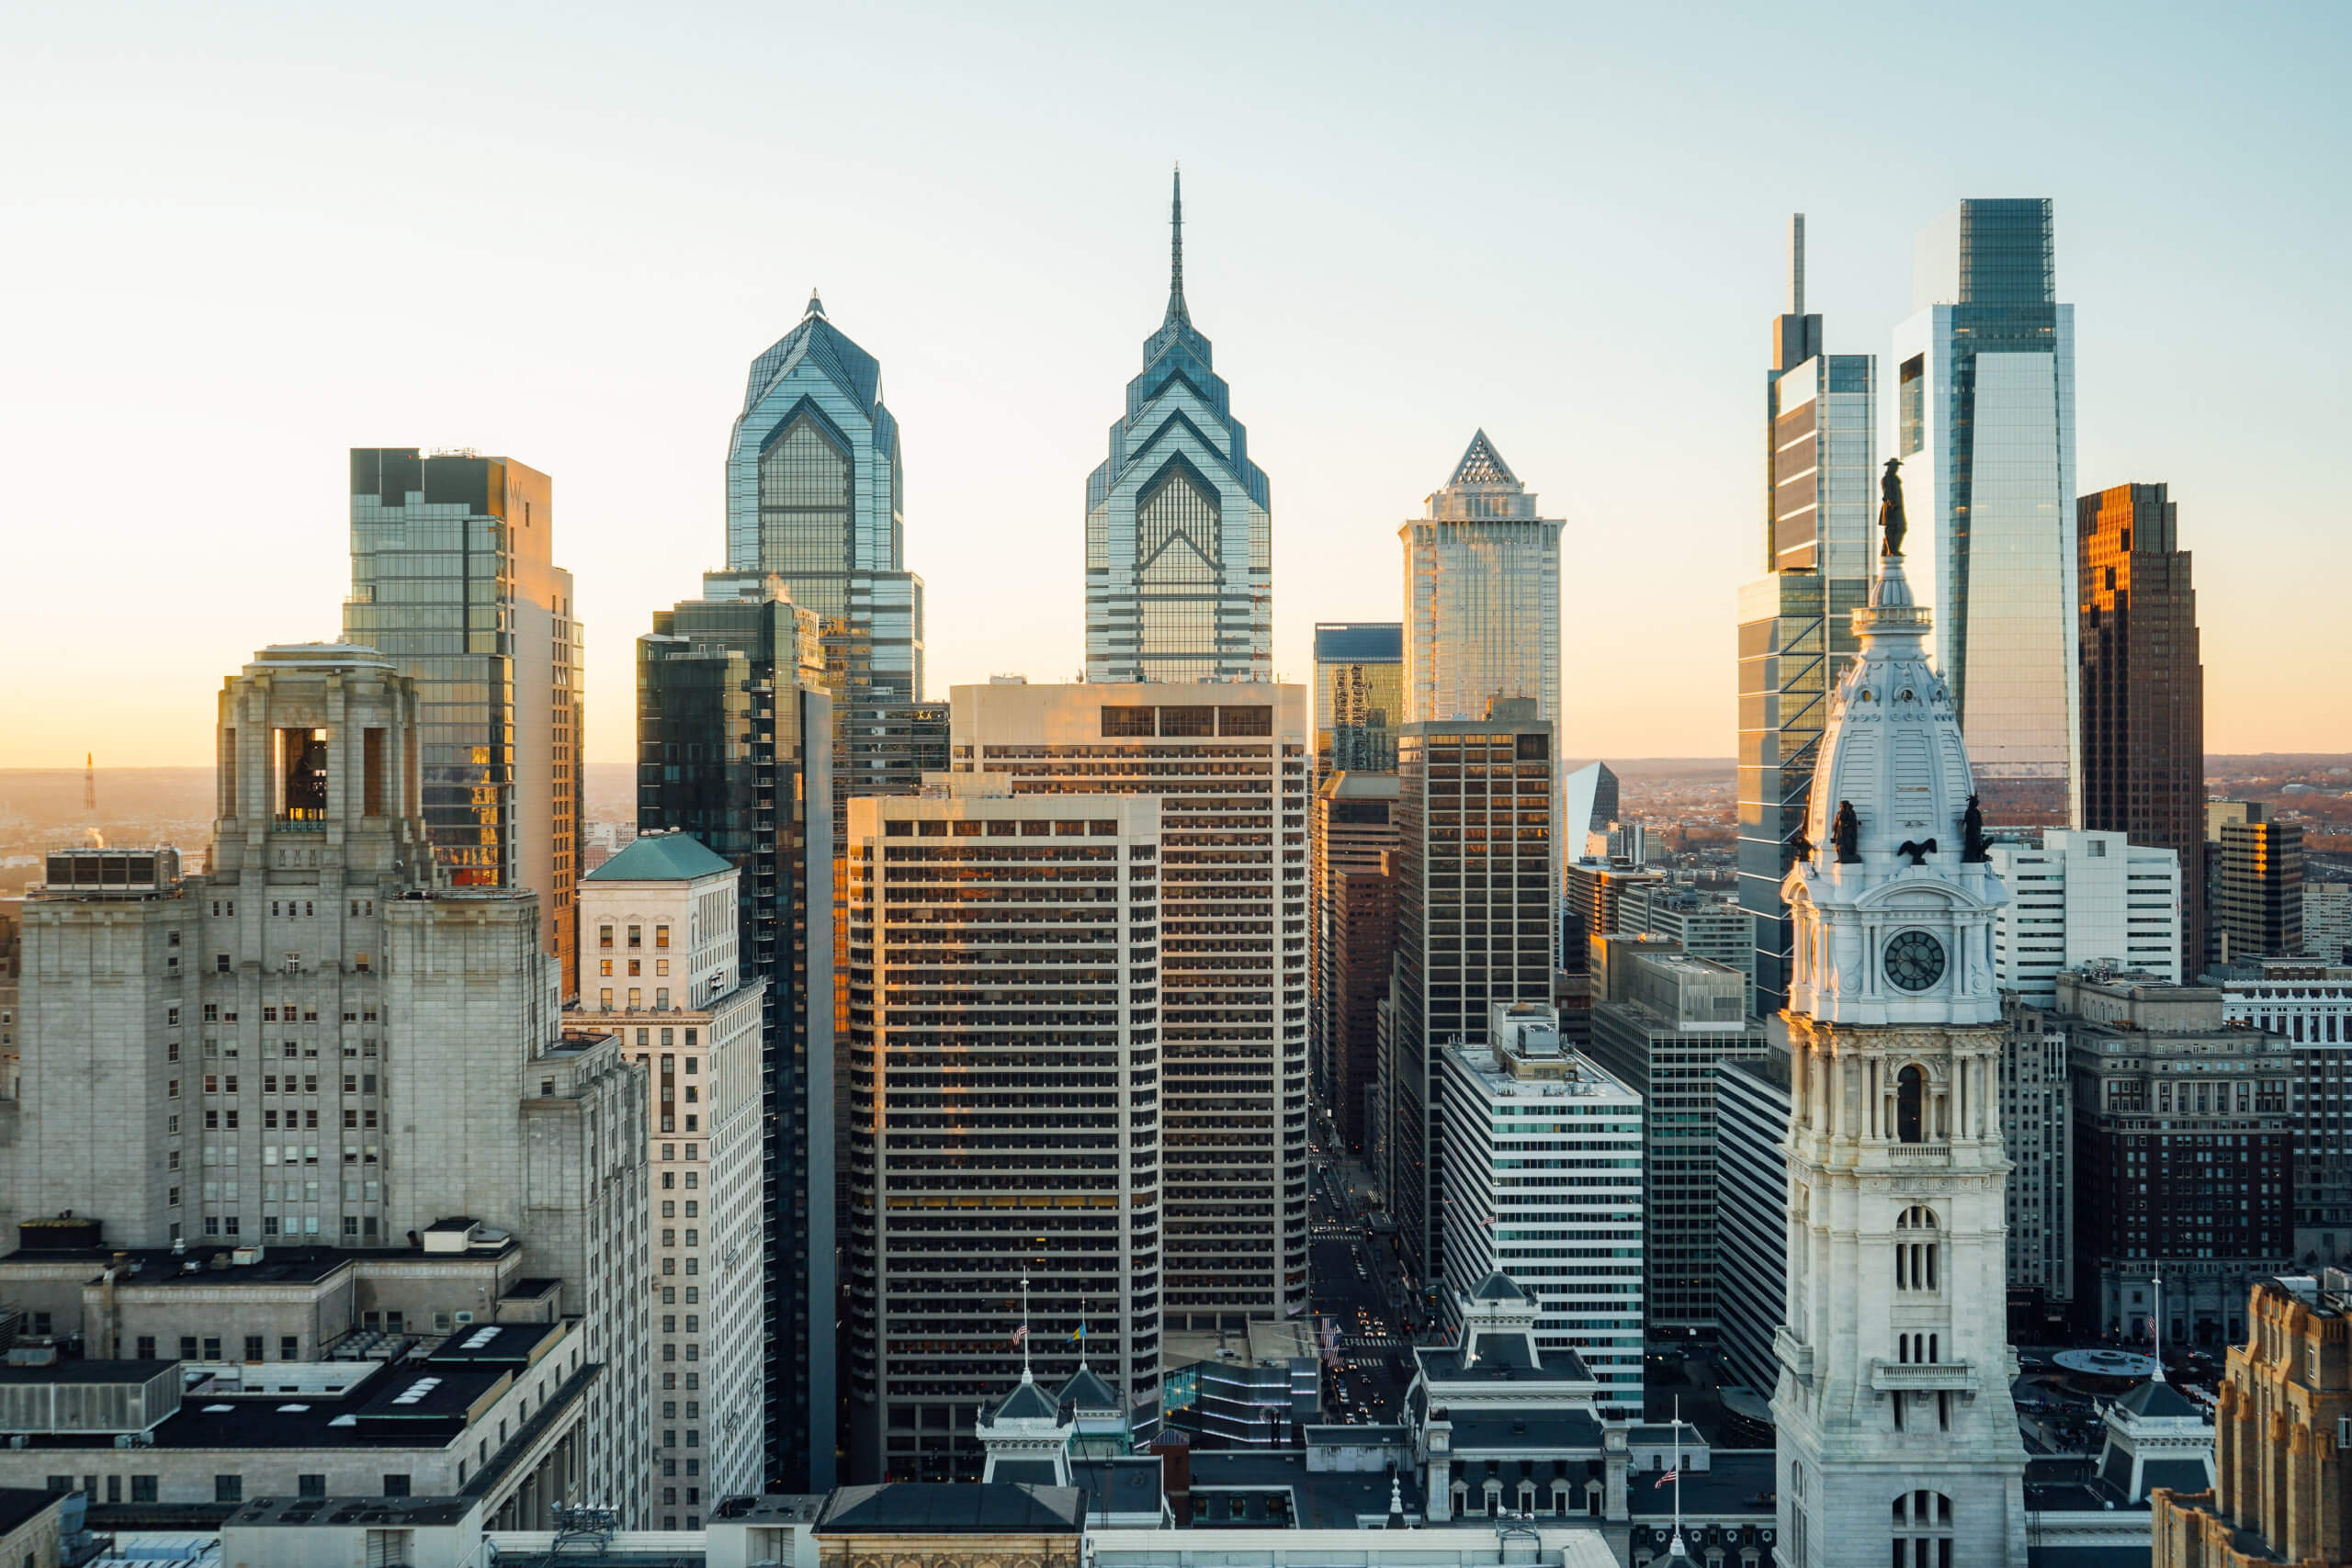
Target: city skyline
<point x="1634" y="362"/>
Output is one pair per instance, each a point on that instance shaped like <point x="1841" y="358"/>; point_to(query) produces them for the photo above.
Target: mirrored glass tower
<point x="1178" y="540"/>
<point x="1984" y="423"/>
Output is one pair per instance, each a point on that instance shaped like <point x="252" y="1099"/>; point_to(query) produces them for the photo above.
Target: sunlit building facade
<point x="1481" y="595"/>
<point x="1983" y="419"/>
<point x="1178" y="539"/>
<point x="453" y="577"/>
<point x="1358" y="695"/>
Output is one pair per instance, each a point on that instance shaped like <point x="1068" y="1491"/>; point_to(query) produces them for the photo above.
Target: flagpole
<point x="1677" y="1548"/>
<point x="1024" y="1330"/>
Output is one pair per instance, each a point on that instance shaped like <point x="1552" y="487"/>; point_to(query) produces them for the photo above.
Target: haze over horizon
<point x="260" y="235"/>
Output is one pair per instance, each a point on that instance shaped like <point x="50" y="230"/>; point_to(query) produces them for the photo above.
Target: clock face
<point x="1915" y="960"/>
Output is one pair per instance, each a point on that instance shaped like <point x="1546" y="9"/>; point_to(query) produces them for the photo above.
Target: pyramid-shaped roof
<point x="1501" y="1287"/>
<point x="819" y="341"/>
<point x="659" y="857"/>
<point x="2157" y="1397"/>
<point x="1085" y="1391"/>
<point x="1482" y="465"/>
<point x="1027" y="1402"/>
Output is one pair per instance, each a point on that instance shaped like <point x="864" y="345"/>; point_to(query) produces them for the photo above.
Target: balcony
<point x="1793" y="1353"/>
<point x="1918" y="1154"/>
<point x="1903" y="1377"/>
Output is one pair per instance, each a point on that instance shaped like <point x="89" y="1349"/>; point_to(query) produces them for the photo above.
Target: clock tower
<point x="1897" y="1439"/>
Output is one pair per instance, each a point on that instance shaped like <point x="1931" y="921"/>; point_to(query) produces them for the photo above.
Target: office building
<point x="1358" y="953"/>
<point x="1358" y="695"/>
<point x="1896" y="1167"/>
<point x="1005" y="1042"/>
<point x="2305" y="1000"/>
<point x="1707" y="925"/>
<point x="2327" y="924"/>
<point x="660" y="929"/>
<point x="2280" y="1491"/>
<point x="2084" y="897"/>
<point x="1481" y="595"/>
<point x="2143" y="688"/>
<point x="1473" y="928"/>
<point x="1354" y="829"/>
<point x="2258" y="910"/>
<point x="1178" y="540"/>
<point x="1572" y="1243"/>
<point x="1662" y="1023"/>
<point x="2308" y="1004"/>
<point x="1795" y="634"/>
<point x="2037" y="1129"/>
<point x="1594" y="890"/>
<point x="453" y="578"/>
<point x="1984" y="424"/>
<point x="1230" y="765"/>
<point x="323" y="1042"/>
<point x="1751" y="1214"/>
<point x="2184" y="1155"/>
<point x="1588" y="811"/>
<point x="735" y="736"/>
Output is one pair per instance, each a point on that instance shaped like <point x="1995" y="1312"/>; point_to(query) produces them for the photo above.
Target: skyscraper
<point x="1005" y="1046"/>
<point x="735" y="747"/>
<point x="2260" y="911"/>
<point x="1358" y="695"/>
<point x="2081" y="898"/>
<point x="1474" y="929"/>
<point x="1796" y="640"/>
<point x="1984" y="421"/>
<point x="814" y="496"/>
<point x="2143" y="688"/>
<point x="1481" y="595"/>
<point x="1897" y="1439"/>
<point x="1179" y="541"/>
<point x="1230" y="766"/>
<point x="453" y="577"/>
<point x="1351" y="834"/>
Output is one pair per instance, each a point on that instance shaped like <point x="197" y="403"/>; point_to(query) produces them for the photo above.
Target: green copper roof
<point x="663" y="857"/>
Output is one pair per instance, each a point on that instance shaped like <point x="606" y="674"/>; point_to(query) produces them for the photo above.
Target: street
<point x="1353" y="1283"/>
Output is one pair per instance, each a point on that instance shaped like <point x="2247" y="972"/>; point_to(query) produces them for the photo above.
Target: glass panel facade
<point x="1358" y="695"/>
<point x="1482" y="590"/>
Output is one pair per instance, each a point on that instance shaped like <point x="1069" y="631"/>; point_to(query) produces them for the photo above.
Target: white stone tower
<point x="1898" y="1441"/>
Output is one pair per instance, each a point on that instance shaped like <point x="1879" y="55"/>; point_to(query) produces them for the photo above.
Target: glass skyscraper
<point x="1984" y="421"/>
<point x="735" y="747"/>
<point x="1796" y="637"/>
<point x="1178" y="540"/>
<point x="453" y="576"/>
<point x="1358" y="695"/>
<point x="814" y="497"/>
<point x="1481" y="595"/>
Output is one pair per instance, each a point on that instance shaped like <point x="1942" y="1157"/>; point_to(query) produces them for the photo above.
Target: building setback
<point x="735" y="737"/>
<point x="1005" y="995"/>
<point x="2143" y="687"/>
<point x="453" y="577"/>
<point x="1520" y="1111"/>
<point x="1473" y="928"/>
<point x="1229" y="764"/>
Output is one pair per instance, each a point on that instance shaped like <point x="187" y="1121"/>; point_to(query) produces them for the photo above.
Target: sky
<point x="242" y="239"/>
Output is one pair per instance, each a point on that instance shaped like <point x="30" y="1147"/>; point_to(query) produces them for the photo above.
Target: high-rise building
<point x="1353" y="830"/>
<point x="1751" y="1214"/>
<point x="1481" y="595"/>
<point x="1984" y="420"/>
<point x="1664" y="1023"/>
<point x="1594" y="892"/>
<point x="2281" y="1490"/>
<point x="1005" y="1037"/>
<point x="1588" y="811"/>
<point x="2080" y="898"/>
<point x="323" y="1042"/>
<point x="1573" y="1243"/>
<point x="2327" y="921"/>
<point x="1358" y="695"/>
<point x="1796" y="638"/>
<point x="2184" y="1157"/>
<point x="2037" y="1131"/>
<point x="1897" y="1439"/>
<point x="2258" y="909"/>
<point x="2143" y="687"/>
<point x="1474" y="929"/>
<point x="1179" y="541"/>
<point x="660" y="930"/>
<point x="453" y="577"/>
<point x="1230" y="765"/>
<point x="2307" y="1004"/>
<point x="815" y="497"/>
<point x="1708" y="925"/>
<point x="735" y="738"/>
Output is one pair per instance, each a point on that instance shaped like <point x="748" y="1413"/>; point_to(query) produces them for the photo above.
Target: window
<point x="311" y="1485"/>
<point x="253" y="1346"/>
<point x="146" y="1347"/>
<point x="661" y="936"/>
<point x="228" y="1488"/>
<point x="396" y="1485"/>
<point x="142" y="1488"/>
<point x="1910" y="1094"/>
<point x="1915" y="1249"/>
<point x="1922" y="1533"/>
<point x="287" y="1345"/>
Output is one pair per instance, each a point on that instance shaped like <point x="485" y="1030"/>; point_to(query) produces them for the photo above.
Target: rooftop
<point x="1736" y="1481"/>
<point x="661" y="857"/>
<point x="948" y="1507"/>
<point x="213" y="1267"/>
<point x="19" y="1504"/>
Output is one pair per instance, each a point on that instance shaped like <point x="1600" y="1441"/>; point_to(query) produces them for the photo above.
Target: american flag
<point x="1664" y="1478"/>
<point x="1020" y="1334"/>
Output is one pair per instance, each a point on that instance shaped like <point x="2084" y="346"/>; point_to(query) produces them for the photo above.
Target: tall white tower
<point x="1898" y="1441"/>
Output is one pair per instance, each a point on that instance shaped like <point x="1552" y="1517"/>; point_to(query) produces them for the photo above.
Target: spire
<point x="1796" y="264"/>
<point x="1176" y="310"/>
<point x="816" y="306"/>
<point x="1482" y="465"/>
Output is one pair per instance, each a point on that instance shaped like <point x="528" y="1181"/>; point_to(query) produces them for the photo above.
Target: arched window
<point x="1922" y="1530"/>
<point x="1915" y="1249"/>
<point x="1910" y="1097"/>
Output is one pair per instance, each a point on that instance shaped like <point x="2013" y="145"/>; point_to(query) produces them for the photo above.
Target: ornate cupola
<point x="1891" y="895"/>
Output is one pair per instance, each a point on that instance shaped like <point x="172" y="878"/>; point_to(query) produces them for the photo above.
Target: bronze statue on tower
<point x="1890" y="507"/>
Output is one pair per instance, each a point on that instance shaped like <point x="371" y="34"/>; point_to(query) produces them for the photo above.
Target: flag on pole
<point x="1078" y="1334"/>
<point x="1020" y="1334"/>
<point x="1665" y="1477"/>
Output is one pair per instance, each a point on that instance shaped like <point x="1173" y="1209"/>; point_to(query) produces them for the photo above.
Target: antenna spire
<point x="1796" y="264"/>
<point x="1176" y="310"/>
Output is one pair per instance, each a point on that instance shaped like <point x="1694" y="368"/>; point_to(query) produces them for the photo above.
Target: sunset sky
<point x="243" y="239"/>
